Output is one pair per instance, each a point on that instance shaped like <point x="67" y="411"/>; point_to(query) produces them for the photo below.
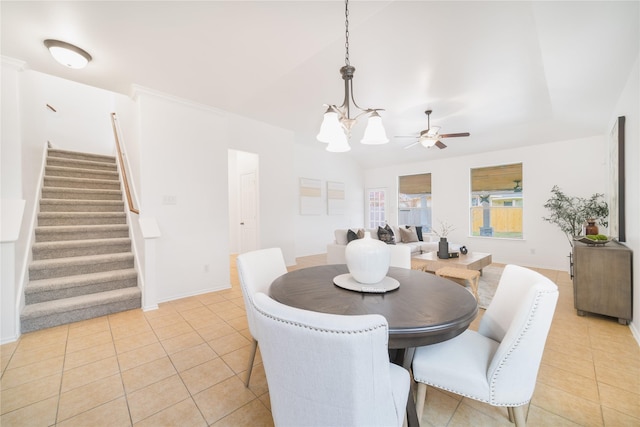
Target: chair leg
<point x="517" y="415"/>
<point x="421" y="396"/>
<point x="252" y="356"/>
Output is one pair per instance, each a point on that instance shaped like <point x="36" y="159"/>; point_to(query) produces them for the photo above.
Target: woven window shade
<point x="496" y="178"/>
<point x="415" y="184"/>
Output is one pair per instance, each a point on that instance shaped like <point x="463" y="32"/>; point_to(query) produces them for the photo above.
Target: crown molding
<point x="13" y="63"/>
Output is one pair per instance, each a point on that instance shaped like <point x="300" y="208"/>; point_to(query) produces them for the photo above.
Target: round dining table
<point x="425" y="309"/>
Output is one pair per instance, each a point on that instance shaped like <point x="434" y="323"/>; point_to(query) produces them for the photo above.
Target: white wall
<point x="183" y="179"/>
<point x="275" y="150"/>
<point x="544" y="245"/>
<point x="185" y="187"/>
<point x="82" y="120"/>
<point x="12" y="198"/>
<point x="314" y="232"/>
<point x="10" y="148"/>
<point x="629" y="106"/>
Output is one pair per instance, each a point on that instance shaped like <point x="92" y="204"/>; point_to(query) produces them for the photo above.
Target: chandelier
<point x="337" y="123"/>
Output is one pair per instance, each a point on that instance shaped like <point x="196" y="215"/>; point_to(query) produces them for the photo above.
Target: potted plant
<point x="570" y="213"/>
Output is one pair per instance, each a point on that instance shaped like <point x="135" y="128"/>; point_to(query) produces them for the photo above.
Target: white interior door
<point x="248" y="213"/>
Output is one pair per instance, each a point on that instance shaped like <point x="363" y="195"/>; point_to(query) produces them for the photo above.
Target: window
<point x="376" y="206"/>
<point x="414" y="200"/>
<point x="497" y="201"/>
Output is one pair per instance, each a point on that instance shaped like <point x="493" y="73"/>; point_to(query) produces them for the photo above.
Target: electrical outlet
<point x="533" y="251"/>
<point x="169" y="200"/>
<point x="206" y="268"/>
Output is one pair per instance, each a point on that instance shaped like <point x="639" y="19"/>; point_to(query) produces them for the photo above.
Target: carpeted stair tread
<point x="51" y="233"/>
<point x="38" y="291"/>
<point x="71" y="266"/>
<point x="45" y="264"/>
<point x="68" y="310"/>
<point x="48" y="219"/>
<point x="74" y="248"/>
<point x="80" y="173"/>
<point x="72" y="182"/>
<point x="35" y="286"/>
<point x="67" y="154"/>
<point x="79" y="302"/>
<point x="71" y="205"/>
<point x="80" y="193"/>
<point x="81" y="164"/>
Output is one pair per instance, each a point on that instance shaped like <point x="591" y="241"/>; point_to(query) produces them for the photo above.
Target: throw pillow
<point x="418" y="231"/>
<point x="386" y="235"/>
<point x="408" y="235"/>
<point x="354" y="235"/>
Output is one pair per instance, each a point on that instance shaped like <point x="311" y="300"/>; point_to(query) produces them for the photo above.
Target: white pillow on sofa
<point x="341" y="236"/>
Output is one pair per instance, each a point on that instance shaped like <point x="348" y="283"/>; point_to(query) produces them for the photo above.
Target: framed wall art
<point x="335" y="198"/>
<point x="310" y="196"/>
<point x="617" y="227"/>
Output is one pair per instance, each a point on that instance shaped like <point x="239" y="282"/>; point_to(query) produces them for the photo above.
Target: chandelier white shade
<point x="330" y="128"/>
<point x="67" y="54"/>
<point x="374" y="134"/>
<point x="337" y="123"/>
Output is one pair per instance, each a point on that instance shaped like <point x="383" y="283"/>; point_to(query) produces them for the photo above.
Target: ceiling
<point x="510" y="73"/>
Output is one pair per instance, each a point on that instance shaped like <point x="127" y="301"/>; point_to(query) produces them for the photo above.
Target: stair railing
<point x="123" y="167"/>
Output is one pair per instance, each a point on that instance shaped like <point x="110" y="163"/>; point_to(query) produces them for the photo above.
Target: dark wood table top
<point x="426" y="309"/>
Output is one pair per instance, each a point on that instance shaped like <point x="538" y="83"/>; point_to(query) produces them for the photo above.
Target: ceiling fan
<point x="431" y="136"/>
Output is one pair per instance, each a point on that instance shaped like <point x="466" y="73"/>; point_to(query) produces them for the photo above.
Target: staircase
<point x="82" y="263"/>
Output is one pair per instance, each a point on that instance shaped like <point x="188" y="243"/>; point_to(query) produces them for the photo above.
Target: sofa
<point x="408" y="236"/>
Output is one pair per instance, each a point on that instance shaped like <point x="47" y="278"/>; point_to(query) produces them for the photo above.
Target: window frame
<point x="515" y="198"/>
<point x="426" y="212"/>
<point x="382" y="213"/>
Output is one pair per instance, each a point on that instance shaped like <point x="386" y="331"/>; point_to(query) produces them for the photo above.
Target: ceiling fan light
<point x="374" y="134"/>
<point x="339" y="144"/>
<point x="67" y="54"/>
<point x="428" y="142"/>
<point x="330" y="127"/>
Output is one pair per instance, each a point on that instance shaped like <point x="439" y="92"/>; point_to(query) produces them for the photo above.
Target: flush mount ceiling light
<point x="67" y="54"/>
<point x="337" y="123"/>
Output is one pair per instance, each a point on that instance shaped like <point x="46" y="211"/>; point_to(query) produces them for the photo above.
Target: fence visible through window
<point x="497" y="202"/>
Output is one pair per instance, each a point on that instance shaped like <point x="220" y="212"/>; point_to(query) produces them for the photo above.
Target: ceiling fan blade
<point x="440" y="145"/>
<point x="454" y="135"/>
<point x="412" y="144"/>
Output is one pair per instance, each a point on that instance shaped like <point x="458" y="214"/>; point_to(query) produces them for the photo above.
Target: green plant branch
<point x="570" y="213"/>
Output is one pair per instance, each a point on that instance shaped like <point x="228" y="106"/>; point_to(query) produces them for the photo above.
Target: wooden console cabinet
<point x="602" y="280"/>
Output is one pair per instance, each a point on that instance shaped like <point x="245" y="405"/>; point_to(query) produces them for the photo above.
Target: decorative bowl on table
<point x="594" y="240"/>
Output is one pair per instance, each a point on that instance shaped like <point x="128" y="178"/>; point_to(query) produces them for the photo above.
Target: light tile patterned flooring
<point x="184" y="365"/>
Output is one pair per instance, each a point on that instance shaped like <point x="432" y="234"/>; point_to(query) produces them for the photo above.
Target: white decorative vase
<point x="367" y="259"/>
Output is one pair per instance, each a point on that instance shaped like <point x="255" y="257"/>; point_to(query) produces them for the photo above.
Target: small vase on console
<point x="367" y="259"/>
<point x="443" y="248"/>
<point x="591" y="227"/>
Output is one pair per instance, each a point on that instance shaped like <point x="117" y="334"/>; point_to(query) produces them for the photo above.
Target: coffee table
<point x="471" y="261"/>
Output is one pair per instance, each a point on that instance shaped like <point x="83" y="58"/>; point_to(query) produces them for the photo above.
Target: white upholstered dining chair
<point x="329" y="370"/>
<point x="256" y="271"/>
<point x="499" y="363"/>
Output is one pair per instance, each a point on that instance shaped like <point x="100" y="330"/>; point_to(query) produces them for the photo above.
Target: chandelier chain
<point x="346" y="32"/>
